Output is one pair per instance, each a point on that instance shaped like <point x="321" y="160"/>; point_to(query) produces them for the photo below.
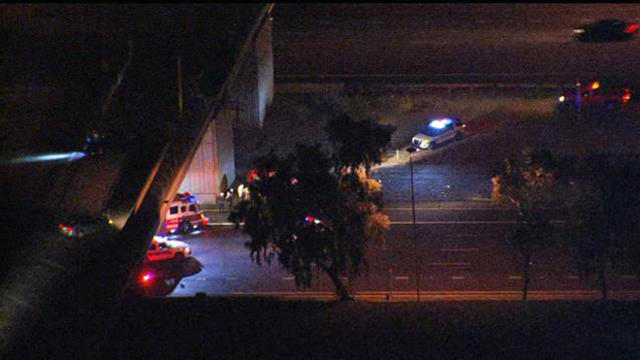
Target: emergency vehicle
<point x="163" y="249"/>
<point x="437" y="132"/>
<point x="184" y="215"/>
<point x="594" y="96"/>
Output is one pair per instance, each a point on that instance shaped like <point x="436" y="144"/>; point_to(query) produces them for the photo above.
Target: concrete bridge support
<point x="246" y="105"/>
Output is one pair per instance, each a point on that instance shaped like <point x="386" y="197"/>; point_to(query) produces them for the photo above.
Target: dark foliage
<point x="358" y="143"/>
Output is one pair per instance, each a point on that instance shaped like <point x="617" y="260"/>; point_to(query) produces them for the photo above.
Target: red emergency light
<point x="631" y="28"/>
<point x="146" y="278"/>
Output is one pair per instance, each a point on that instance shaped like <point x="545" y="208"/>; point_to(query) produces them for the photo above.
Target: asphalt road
<point x="462" y="254"/>
<point x="451" y="39"/>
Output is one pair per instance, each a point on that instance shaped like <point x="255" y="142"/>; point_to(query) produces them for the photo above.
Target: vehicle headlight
<point x="561" y="98"/>
<point x="578" y="31"/>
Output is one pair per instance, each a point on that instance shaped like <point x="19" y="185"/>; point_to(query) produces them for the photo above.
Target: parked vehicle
<point x="163" y="249"/>
<point x="437" y="132"/>
<point x="596" y="96"/>
<point x="81" y="225"/>
<point x="184" y="215"/>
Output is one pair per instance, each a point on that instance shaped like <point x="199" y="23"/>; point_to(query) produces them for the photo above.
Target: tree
<point x="527" y="184"/>
<point x="358" y="143"/>
<point x="603" y="225"/>
<point x="311" y="214"/>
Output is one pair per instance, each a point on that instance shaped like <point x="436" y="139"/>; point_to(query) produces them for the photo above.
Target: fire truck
<point x="595" y="97"/>
<point x="184" y="215"/>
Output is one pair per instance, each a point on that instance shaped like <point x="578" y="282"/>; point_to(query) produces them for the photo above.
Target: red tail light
<point x="626" y="98"/>
<point x="631" y="28"/>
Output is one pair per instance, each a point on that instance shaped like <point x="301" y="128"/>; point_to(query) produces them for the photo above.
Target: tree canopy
<point x="528" y="184"/>
<point x="358" y="142"/>
<point x="603" y="224"/>
<point x="308" y="215"/>
<point x="314" y="210"/>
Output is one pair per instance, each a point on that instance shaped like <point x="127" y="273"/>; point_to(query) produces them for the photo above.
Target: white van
<point x="184" y="215"/>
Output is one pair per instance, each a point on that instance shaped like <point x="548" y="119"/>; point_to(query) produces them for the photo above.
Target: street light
<point x="412" y="150"/>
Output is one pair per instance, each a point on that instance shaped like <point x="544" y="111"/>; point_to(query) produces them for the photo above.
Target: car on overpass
<point x="606" y="30"/>
<point x="437" y="132"/>
<point x="81" y="225"/>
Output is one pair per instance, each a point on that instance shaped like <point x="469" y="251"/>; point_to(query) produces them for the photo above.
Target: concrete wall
<point x="213" y="160"/>
<point x="264" y="54"/>
<point x="250" y="96"/>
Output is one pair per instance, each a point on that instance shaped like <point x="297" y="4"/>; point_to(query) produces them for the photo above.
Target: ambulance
<point x="184" y="215"/>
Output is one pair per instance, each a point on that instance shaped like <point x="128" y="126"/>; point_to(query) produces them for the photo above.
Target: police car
<point x="184" y="215"/>
<point x="437" y="132"/>
<point x="163" y="249"/>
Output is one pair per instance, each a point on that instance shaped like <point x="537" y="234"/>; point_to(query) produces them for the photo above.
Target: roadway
<point x="448" y="40"/>
<point x="462" y="253"/>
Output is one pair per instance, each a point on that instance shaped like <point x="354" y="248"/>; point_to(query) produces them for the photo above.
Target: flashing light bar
<point x="440" y="123"/>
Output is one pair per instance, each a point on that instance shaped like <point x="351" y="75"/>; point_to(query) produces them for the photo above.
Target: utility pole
<point x="412" y="150"/>
<point x="579" y="99"/>
<point x="180" y="95"/>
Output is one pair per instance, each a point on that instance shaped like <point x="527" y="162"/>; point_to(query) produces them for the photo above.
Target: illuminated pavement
<point x="465" y="257"/>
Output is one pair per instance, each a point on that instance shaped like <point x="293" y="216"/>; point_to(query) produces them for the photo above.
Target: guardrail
<point x="419" y="83"/>
<point x="438" y="78"/>
<point x="303" y="88"/>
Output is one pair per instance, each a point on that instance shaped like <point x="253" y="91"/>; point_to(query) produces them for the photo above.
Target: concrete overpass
<point x="181" y="107"/>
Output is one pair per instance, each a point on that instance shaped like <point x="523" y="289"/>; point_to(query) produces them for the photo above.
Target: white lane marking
<point x="461" y="250"/>
<point x="288" y="278"/>
<point x="401" y="278"/>
<point x="628" y="276"/>
<point x="506" y="75"/>
<point x="496" y="222"/>
<point x="448" y="264"/>
<point x="232" y="278"/>
<point x="423" y="222"/>
<point x="457" y="278"/>
<point x="446" y="208"/>
<point x="515" y="277"/>
<point x="201" y="278"/>
<point x="573" y="277"/>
